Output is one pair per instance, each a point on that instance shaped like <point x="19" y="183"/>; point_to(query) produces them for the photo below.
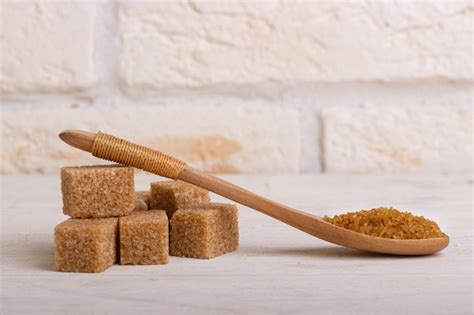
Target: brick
<point x="405" y="139"/>
<point x="271" y="42"/>
<point x="47" y="46"/>
<point x="255" y="138"/>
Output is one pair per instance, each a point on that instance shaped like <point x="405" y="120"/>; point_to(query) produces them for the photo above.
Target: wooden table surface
<point x="277" y="269"/>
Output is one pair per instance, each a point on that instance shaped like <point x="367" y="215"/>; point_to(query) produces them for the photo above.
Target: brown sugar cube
<point x="144" y="195"/>
<point x="142" y="201"/>
<point x="204" y="230"/>
<point x="144" y="238"/>
<point x="173" y="195"/>
<point x="86" y="245"/>
<point x="140" y="205"/>
<point x="97" y="191"/>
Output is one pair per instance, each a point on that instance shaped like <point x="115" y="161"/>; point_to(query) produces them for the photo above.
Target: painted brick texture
<point x="46" y="46"/>
<point x="242" y="86"/>
<point x="251" y="42"/>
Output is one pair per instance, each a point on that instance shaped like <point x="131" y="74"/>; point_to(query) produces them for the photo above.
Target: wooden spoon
<point x="120" y="151"/>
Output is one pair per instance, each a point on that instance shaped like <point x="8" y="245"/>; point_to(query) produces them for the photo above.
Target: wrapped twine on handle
<point x="118" y="150"/>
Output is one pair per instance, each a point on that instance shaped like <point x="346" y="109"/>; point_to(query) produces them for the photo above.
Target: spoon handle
<point x="296" y="218"/>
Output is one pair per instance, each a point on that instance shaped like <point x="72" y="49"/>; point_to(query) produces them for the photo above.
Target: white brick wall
<point x="253" y="42"/>
<point x="46" y="46"/>
<point x="394" y="140"/>
<point x="208" y="137"/>
<point x="242" y="86"/>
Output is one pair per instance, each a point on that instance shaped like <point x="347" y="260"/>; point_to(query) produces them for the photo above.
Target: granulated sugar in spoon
<point x="343" y="230"/>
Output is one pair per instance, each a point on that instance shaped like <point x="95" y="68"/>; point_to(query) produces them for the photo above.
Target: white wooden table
<point x="277" y="270"/>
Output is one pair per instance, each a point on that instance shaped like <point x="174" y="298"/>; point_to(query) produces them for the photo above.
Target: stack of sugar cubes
<point x="110" y="222"/>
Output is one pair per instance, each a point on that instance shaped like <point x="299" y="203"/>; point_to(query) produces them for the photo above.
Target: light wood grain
<point x="82" y="140"/>
<point x="298" y="219"/>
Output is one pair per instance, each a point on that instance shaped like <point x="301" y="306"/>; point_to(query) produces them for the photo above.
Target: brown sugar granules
<point x="144" y="238"/>
<point x="145" y="196"/>
<point x="142" y="201"/>
<point x="86" y="245"/>
<point x="204" y="230"/>
<point x="387" y="223"/>
<point x="172" y="195"/>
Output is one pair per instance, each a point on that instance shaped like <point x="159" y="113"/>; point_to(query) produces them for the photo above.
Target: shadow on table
<point x="329" y="252"/>
<point x="29" y="253"/>
<point x="38" y="253"/>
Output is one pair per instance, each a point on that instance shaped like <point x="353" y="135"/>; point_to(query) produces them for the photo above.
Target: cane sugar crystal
<point x="144" y="238"/>
<point x="173" y="195"/>
<point x="144" y="196"/>
<point x="204" y="230"/>
<point x="388" y="223"/>
<point x="86" y="245"/>
<point x="97" y="191"/>
<point x="141" y="203"/>
<point x="142" y="200"/>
